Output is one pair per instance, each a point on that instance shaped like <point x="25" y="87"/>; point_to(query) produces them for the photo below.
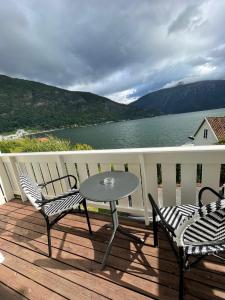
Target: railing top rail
<point x="180" y="149"/>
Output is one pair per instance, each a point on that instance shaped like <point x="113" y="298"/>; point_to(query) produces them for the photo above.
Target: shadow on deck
<point x="74" y="272"/>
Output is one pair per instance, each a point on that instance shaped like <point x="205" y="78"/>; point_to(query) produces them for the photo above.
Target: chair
<point x="57" y="207"/>
<point x="196" y="230"/>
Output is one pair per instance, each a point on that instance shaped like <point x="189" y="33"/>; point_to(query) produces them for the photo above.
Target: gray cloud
<point x="187" y="19"/>
<point x="122" y="49"/>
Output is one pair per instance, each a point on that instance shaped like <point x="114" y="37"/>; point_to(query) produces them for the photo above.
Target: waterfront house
<point x="20" y="133"/>
<point x="211" y="131"/>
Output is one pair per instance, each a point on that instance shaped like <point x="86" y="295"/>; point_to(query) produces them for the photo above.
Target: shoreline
<point x="73" y="127"/>
<point x="33" y="132"/>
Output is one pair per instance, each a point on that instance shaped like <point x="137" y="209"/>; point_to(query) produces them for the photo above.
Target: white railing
<point x="148" y="164"/>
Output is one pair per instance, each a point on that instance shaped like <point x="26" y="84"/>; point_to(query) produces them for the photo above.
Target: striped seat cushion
<point x="210" y="228"/>
<point x="204" y="249"/>
<point x="63" y="204"/>
<point x="206" y="234"/>
<point x="175" y="215"/>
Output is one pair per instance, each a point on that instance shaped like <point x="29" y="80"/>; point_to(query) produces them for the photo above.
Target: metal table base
<point x="116" y="227"/>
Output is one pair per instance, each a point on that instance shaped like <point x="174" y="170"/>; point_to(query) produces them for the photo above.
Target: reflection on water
<point x="168" y="130"/>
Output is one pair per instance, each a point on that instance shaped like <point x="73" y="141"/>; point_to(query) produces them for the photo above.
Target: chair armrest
<point x="206" y="188"/>
<point x="157" y="212"/>
<point x="42" y="185"/>
<point x="210" y="208"/>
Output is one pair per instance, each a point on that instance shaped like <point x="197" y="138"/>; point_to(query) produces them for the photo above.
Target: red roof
<point x="42" y="139"/>
<point x="218" y="126"/>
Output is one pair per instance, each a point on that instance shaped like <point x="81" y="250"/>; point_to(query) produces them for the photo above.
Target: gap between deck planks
<point x="126" y="271"/>
<point x="76" y="238"/>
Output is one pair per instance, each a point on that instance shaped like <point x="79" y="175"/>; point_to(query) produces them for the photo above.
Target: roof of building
<point x="218" y="126"/>
<point x="42" y="139"/>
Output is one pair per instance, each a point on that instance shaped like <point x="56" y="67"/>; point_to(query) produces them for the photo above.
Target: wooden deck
<point x="133" y="272"/>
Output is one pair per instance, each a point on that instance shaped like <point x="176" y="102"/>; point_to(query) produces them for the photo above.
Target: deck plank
<point x="8" y="293"/>
<point x="26" y="286"/>
<point x="133" y="272"/>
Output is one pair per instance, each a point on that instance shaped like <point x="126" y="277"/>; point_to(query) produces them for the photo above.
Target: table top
<point x="109" y="186"/>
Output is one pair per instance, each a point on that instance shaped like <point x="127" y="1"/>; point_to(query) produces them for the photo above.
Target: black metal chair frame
<point x="181" y="256"/>
<point x="49" y="223"/>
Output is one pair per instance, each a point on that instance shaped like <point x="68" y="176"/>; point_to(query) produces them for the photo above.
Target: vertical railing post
<point x="63" y="172"/>
<point x="12" y="161"/>
<point x="5" y="183"/>
<point x="144" y="187"/>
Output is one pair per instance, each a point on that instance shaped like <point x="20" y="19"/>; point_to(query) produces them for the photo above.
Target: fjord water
<point x="169" y="130"/>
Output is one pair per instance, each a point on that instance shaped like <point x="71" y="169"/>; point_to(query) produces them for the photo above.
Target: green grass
<point x="34" y="145"/>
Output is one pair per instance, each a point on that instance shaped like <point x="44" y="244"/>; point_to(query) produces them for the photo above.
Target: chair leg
<point x="155" y="229"/>
<point x="49" y="237"/>
<point x="181" y="269"/>
<point x="87" y="216"/>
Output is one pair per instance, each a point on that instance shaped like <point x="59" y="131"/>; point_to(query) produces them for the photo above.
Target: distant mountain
<point x="28" y="104"/>
<point x="202" y="95"/>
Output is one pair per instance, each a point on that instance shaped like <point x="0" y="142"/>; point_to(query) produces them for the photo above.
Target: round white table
<point x="111" y="187"/>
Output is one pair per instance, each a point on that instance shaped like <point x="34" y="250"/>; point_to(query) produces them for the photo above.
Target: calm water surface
<point x="170" y="130"/>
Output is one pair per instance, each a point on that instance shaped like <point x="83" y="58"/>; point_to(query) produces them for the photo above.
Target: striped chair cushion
<point x="63" y="204"/>
<point x="204" y="249"/>
<point x="176" y="215"/>
<point x="210" y="228"/>
<point x="205" y="226"/>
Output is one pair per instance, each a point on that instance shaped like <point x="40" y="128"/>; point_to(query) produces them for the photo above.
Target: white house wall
<point x="199" y="138"/>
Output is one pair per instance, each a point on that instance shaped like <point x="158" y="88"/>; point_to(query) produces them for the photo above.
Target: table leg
<point x="115" y="223"/>
<point x="116" y="226"/>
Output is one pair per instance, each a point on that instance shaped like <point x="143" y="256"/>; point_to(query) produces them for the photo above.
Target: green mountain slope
<point x="202" y="95"/>
<point x="28" y="104"/>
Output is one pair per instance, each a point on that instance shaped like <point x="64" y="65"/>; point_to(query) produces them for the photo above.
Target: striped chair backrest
<point x="31" y="190"/>
<point x="209" y="223"/>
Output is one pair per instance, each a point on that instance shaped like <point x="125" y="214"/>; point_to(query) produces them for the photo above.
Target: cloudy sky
<point x="120" y="49"/>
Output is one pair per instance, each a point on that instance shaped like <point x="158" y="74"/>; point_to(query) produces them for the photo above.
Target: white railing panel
<point x="11" y="175"/>
<point x="29" y="170"/>
<point x="15" y="167"/>
<point x="82" y="172"/>
<point x="145" y="187"/>
<point x="61" y="169"/>
<point x="100" y="156"/>
<point x="2" y="196"/>
<point x="169" y="184"/>
<point x="152" y="181"/>
<point x="105" y="167"/>
<point x="46" y="178"/>
<point x="6" y="185"/>
<point x="37" y="172"/>
<point x="71" y="170"/>
<point x="125" y="201"/>
<point x="93" y="169"/>
<point x="180" y="155"/>
<point x="137" y="197"/>
<point x="188" y="183"/>
<point x="54" y="173"/>
<point x="211" y="178"/>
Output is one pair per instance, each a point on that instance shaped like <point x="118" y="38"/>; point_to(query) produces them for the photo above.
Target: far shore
<point x="72" y="127"/>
